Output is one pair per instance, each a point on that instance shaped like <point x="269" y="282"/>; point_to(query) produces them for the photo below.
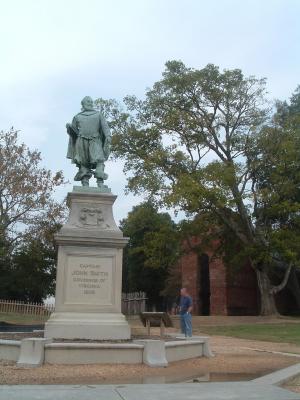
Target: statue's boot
<point x="100" y="175"/>
<point x="84" y="174"/>
<point x="85" y="181"/>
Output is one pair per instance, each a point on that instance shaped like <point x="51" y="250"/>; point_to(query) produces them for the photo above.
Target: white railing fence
<point x="38" y="310"/>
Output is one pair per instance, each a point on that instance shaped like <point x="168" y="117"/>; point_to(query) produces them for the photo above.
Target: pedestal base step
<point x="93" y="326"/>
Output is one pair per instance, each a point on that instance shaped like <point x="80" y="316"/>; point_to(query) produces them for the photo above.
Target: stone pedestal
<point x="89" y="271"/>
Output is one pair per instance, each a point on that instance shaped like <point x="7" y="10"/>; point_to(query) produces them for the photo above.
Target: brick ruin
<point x="219" y="290"/>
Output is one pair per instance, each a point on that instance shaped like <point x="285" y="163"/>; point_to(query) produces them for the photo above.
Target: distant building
<point x="219" y="290"/>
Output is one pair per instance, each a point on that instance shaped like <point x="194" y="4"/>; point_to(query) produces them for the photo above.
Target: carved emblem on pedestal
<point x="92" y="217"/>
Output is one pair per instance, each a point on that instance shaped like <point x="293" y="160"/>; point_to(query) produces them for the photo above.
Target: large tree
<point x="151" y="250"/>
<point x="30" y="274"/>
<point x="26" y="190"/>
<point x="29" y="215"/>
<point x="200" y="141"/>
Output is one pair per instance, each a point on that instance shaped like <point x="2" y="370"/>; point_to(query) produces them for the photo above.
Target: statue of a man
<point x="89" y="143"/>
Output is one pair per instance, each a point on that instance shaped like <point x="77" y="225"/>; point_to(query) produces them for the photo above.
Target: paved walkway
<point x="203" y="391"/>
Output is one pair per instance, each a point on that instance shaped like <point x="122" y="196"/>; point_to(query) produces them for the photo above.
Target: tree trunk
<point x="267" y="299"/>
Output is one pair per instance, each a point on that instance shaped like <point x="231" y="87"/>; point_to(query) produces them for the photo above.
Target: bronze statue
<point x="89" y="143"/>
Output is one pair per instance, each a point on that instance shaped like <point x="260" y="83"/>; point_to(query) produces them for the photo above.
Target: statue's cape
<point x="103" y="129"/>
<point x="71" y="148"/>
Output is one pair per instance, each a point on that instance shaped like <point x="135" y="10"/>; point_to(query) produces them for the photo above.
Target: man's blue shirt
<point x="185" y="303"/>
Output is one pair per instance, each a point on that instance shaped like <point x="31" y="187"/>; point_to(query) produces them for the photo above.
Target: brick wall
<point x="190" y="279"/>
<point x="231" y="292"/>
<point x="218" y="286"/>
<point x="242" y="291"/>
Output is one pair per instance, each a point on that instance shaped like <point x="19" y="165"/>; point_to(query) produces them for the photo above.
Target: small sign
<point x="156" y="319"/>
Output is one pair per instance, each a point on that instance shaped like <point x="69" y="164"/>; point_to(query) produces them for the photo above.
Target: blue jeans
<point x="186" y="324"/>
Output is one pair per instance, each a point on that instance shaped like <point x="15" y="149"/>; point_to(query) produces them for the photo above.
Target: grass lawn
<point x="285" y="333"/>
<point x="22" y="319"/>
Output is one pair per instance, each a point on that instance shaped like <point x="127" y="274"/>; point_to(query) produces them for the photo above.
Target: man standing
<point x="185" y="309"/>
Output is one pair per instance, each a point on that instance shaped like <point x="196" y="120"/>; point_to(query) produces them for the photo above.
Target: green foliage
<point x="28" y="218"/>
<point x="187" y="118"/>
<point x="204" y="141"/>
<point x="26" y="190"/>
<point x="276" y="177"/>
<point x="29" y="271"/>
<point x="4" y="262"/>
<point x="151" y="250"/>
<point x="32" y="274"/>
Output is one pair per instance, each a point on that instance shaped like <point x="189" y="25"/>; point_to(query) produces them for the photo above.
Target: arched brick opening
<point x="204" y="284"/>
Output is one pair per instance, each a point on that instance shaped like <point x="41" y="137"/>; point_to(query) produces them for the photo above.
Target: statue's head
<point x="87" y="103"/>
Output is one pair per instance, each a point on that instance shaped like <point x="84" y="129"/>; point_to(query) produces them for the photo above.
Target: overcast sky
<point x="55" y="52"/>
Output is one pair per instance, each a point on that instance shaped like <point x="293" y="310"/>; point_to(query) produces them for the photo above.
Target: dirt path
<point x="225" y="344"/>
<point x="233" y="361"/>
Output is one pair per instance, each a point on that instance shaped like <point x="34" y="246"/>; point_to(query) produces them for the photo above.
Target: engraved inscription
<point x="89" y="280"/>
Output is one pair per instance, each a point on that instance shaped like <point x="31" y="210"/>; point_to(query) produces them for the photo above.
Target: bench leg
<point x="162" y="328"/>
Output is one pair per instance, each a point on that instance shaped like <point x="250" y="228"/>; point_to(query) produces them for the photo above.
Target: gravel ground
<point x="20" y="335"/>
<point x="24" y="335"/>
<point x="232" y="361"/>
<point x="227" y="344"/>
<point x="293" y="384"/>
